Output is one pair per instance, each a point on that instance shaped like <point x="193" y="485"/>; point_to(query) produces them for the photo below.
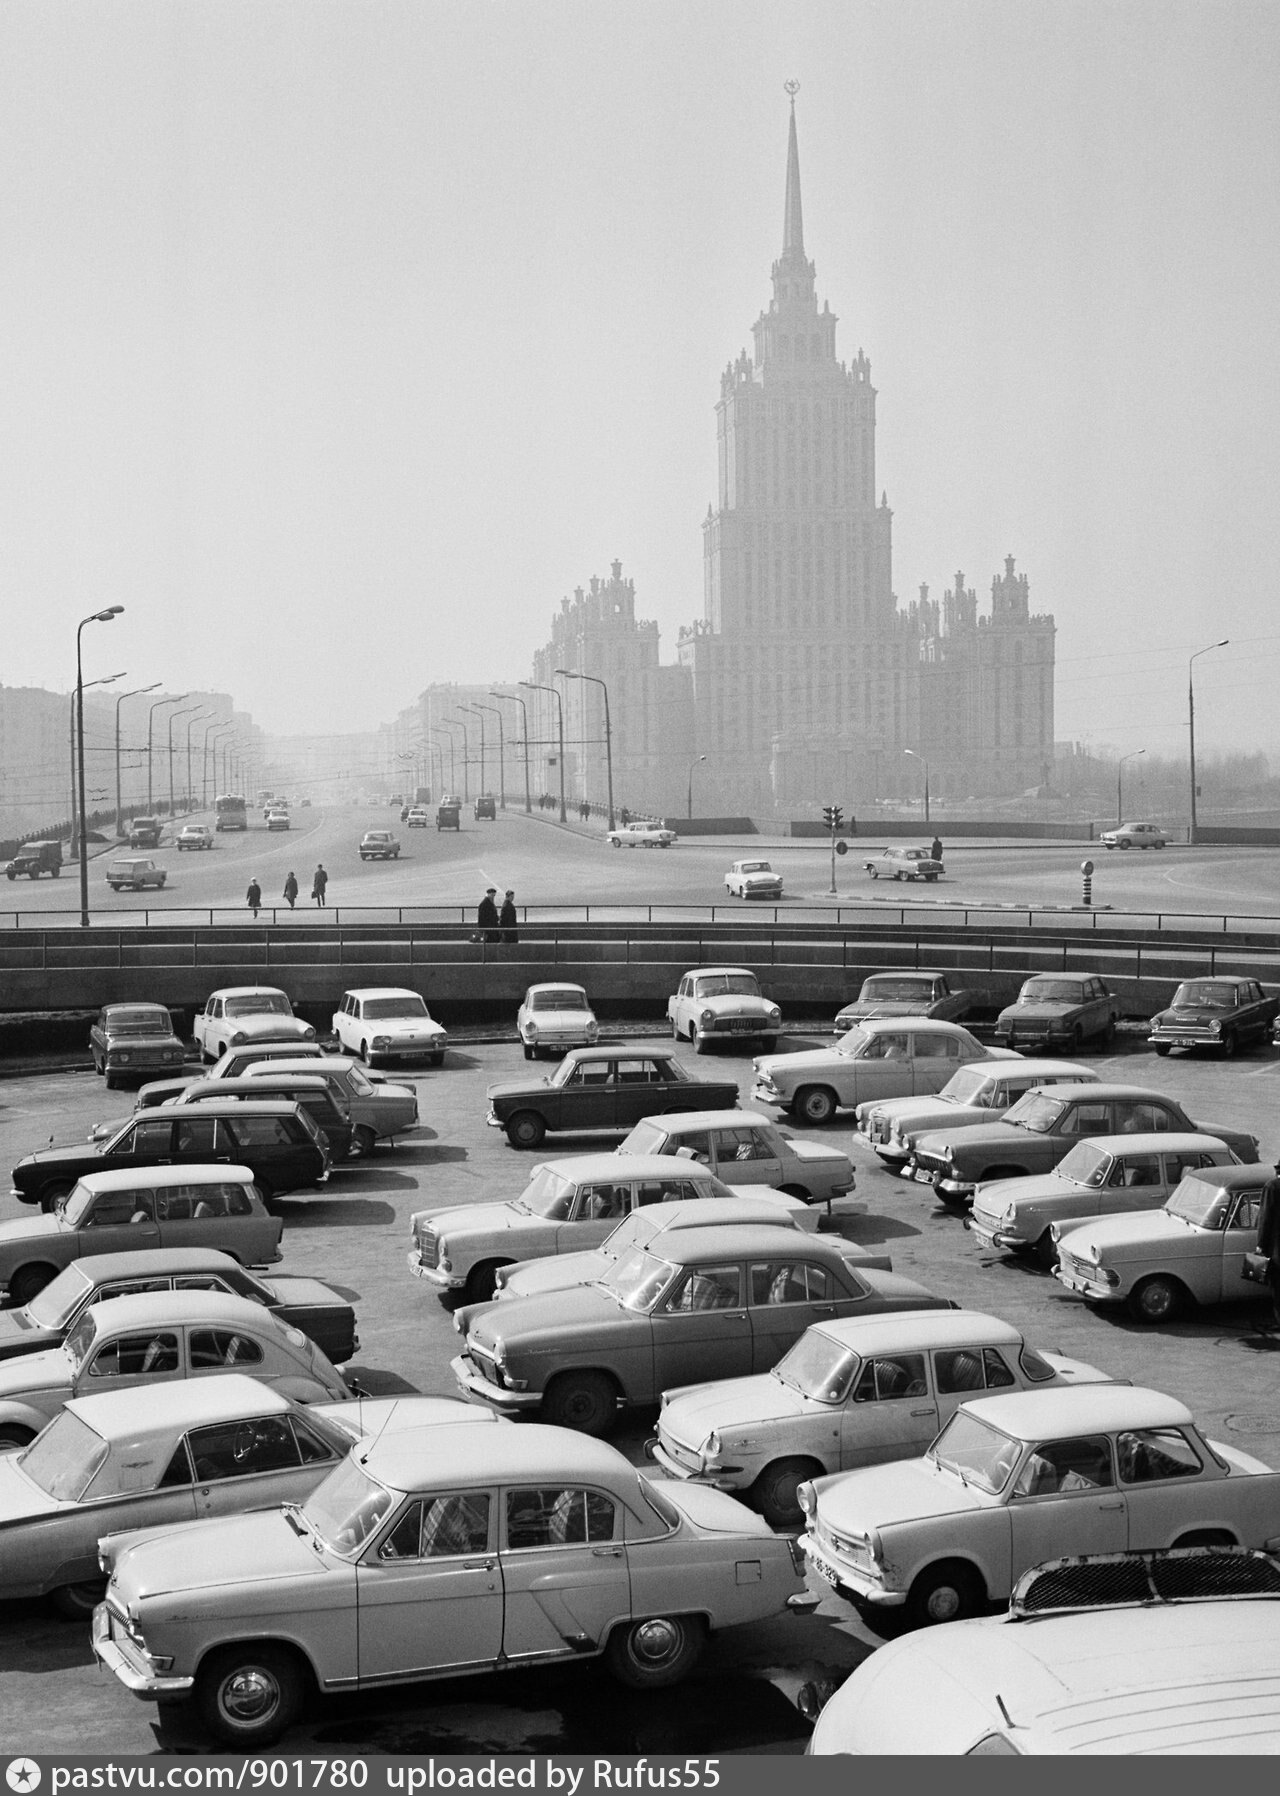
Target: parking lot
<point x="356" y="1236"/>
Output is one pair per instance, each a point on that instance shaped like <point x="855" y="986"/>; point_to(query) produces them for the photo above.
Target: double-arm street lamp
<point x="484" y="777"/>
<point x="595" y="679"/>
<point x="696" y="762"/>
<point x="1119" y="782"/>
<point x="123" y="696"/>
<point x="216" y="729"/>
<point x="1191" y="720"/>
<point x="916" y="757"/>
<point x="524" y="730"/>
<point x="502" y="753"/>
<point x="437" y="730"/>
<point x="175" y="699"/>
<point x="94" y="617"/>
<point x="190" y="711"/>
<point x="456" y="723"/>
<point x="534" y="686"/>
<point x="191" y="797"/>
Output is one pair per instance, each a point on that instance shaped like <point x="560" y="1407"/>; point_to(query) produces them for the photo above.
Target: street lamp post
<point x="74" y="807"/>
<point x="916" y="757"/>
<point x="176" y="699"/>
<point x="1120" y="782"/>
<point x="437" y="730"/>
<point x="191" y="797"/>
<point x="484" y="776"/>
<point x="608" y="732"/>
<point x="173" y="717"/>
<point x="1191" y="721"/>
<point x="123" y="696"/>
<point x="215" y="730"/>
<point x="502" y="754"/>
<point x="456" y="723"/>
<point x="689" y="805"/>
<point x="94" y="617"/>
<point x="534" y="686"/>
<point x="524" y="730"/>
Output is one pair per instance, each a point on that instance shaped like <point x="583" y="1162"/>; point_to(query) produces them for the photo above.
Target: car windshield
<point x="897" y="991"/>
<point x="756" y="867"/>
<point x="567" y="998"/>
<point x="139" y="1022"/>
<point x="346" y="1508"/>
<point x="359" y="1082"/>
<point x="548" y="1194"/>
<point x="1205" y="994"/>
<point x="259" y="1003"/>
<point x="969" y="1087"/>
<point x="728" y="985"/>
<point x="1049" y="991"/>
<point x="62" y="1296"/>
<point x="818" y="1367"/>
<point x="638" y="1280"/>
<point x="850" y="1044"/>
<point x="81" y="1339"/>
<point x="390" y="1007"/>
<point x="645" y="1138"/>
<point x="976" y="1452"/>
<point x="64" y="1458"/>
<point x="75" y="1206"/>
<point x="1036" y="1112"/>
<point x="1199" y="1202"/>
<point x="1086" y="1165"/>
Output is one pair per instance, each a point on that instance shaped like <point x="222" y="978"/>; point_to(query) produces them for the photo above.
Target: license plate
<point x="921" y="1175"/>
<point x="824" y="1570"/>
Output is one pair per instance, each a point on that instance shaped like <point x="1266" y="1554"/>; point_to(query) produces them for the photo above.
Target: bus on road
<point x="232" y="813"/>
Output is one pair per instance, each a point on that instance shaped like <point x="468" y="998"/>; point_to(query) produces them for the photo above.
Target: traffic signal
<point x="832" y="816"/>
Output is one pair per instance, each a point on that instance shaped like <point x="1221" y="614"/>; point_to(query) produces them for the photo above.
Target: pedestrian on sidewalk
<point x="935" y="849"/>
<point x="291" y="890"/>
<point x="487" y="916"/>
<point x="319" y="884"/>
<point x="507" y="918"/>
<point x="253" y="896"/>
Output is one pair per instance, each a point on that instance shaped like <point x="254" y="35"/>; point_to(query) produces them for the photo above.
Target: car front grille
<point x="682" y="1454"/>
<point x="428" y="1247"/>
<point x="933" y="1164"/>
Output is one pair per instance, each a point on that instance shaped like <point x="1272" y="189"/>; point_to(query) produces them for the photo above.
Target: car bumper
<point x="411" y="1050"/>
<point x="1184" y="1038"/>
<point x="850" y="1581"/>
<point x="995" y="1237"/>
<point x="118" y="1654"/>
<point x="494" y="1121"/>
<point x="443" y="1281"/>
<point x="1080" y="1284"/>
<point x="768" y="1094"/>
<point x="473" y="1384"/>
<point x="715" y="1477"/>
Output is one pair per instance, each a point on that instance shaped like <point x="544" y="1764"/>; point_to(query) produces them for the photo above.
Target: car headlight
<point x="308" y="1034"/>
<point x="707" y="1016"/>
<point x="120" y="1054"/>
<point x="774" y="1014"/>
<point x="531" y="1030"/>
<point x="238" y="1038"/>
<point x="443" y="1262"/>
<point x="1010" y="1211"/>
<point x="382" y="1041"/>
<point x="711" y="1446"/>
<point x="593" y="1030"/>
<point x="1215" y="1027"/>
<point x="807" y="1498"/>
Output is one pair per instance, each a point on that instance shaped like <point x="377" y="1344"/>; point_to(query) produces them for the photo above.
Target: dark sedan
<point x="1059" y="1010"/>
<point x="1214" y="1013"/>
<point x="602" y="1088"/>
<point x="714" y="1303"/>
<point x="133" y="1041"/>
<point x="50" y="1316"/>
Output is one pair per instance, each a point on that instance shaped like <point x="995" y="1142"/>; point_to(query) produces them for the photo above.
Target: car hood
<point x="812" y="1153"/>
<point x="984" y="1135"/>
<point x="732" y="1005"/>
<point x="518" y="1088"/>
<point x="49" y="1370"/>
<point x="481" y="1219"/>
<point x="406" y="1028"/>
<point x="20" y="1499"/>
<point x="1192" y="1016"/>
<point x="714" y="1511"/>
<point x="369" y="1417"/>
<point x="545" y="1321"/>
<point x="995" y="1194"/>
<point x="1142" y="1232"/>
<point x="73" y="1154"/>
<point x="19" y="1336"/>
<point x="816" y="1060"/>
<point x="1040" y="1008"/>
<point x="922" y="1117"/>
<point x="153" y="1038"/>
<point x="857" y="1013"/>
<point x="555" y="1274"/>
<point x="233" y="1549"/>
<point x="905" y="1490"/>
<point x="691" y="1413"/>
<point x="308" y="1293"/>
<point x="268" y="1028"/>
<point x="33" y="1228"/>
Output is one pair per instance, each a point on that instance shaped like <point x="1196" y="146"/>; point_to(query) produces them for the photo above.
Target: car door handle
<point x="824" y="1309"/>
<point x="927" y="1411"/>
<point x="606" y="1552"/>
<point x="479" y="1564"/>
<point x="1117" y="1504"/>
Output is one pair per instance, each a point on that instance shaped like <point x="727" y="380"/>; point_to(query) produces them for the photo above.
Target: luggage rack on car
<point x="1137" y="1580"/>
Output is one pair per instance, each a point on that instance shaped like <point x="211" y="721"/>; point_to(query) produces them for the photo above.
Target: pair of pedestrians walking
<point x="494" y="925"/>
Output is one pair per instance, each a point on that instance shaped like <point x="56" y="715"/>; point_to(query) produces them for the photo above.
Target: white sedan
<point x="556" y="1016"/>
<point x="1135" y="835"/>
<point x="386" y="1022"/>
<point x="641" y="835"/>
<point x="885" y="1057"/>
<point x="242" y="1013"/>
<point x="753" y="879"/>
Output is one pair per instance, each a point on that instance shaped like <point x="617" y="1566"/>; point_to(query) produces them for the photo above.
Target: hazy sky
<point x="339" y="341"/>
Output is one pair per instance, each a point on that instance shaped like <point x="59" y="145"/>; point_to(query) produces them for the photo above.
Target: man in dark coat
<point x="1269" y="1239"/>
<point x="487" y="916"/>
<point x="507" y="918"/>
<point x="319" y="884"/>
<point x="291" y="890"/>
<point x="253" y="897"/>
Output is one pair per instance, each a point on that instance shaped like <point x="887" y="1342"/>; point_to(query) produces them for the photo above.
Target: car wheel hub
<point x="944" y="1604"/>
<point x="250" y="1694"/>
<point x="654" y="1642"/>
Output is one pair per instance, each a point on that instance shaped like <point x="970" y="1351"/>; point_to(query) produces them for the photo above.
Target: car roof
<point x="137" y="1009"/>
<point x="185" y="1308"/>
<point x="719" y="1212"/>
<point x="580" y="1167"/>
<point x="1065" y="1072"/>
<point x="1106" y="1089"/>
<point x="1168" y="1141"/>
<point x="247" y="991"/>
<point x="158" y="1260"/>
<point x="251" y="1107"/>
<point x="624" y="1050"/>
<point x="919" y="1025"/>
<point x="252" y="1082"/>
<point x="907" y="973"/>
<point x="185" y="1403"/>
<point x="698" y="971"/>
<point x="1233" y="1178"/>
<point x="170" y="1175"/>
<point x="1043" y="1415"/>
<point x="532" y="1452"/>
<point x="738" y="1240"/>
<point x="897" y="1333"/>
<point x="380" y="991"/>
<point x="557" y="985"/>
<point x="685" y="1120"/>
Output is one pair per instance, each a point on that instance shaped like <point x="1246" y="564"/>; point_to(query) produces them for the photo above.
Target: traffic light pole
<point x="833" y="817"/>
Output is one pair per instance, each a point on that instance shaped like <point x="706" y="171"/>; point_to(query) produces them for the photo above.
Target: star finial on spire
<point x="793" y="221"/>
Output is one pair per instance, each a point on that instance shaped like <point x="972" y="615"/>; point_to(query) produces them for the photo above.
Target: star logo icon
<point x="22" y="1775"/>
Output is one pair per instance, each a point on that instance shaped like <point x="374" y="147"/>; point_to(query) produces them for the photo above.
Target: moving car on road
<point x="1059" y="1010"/>
<point x="448" y="816"/>
<point x="717" y="1302"/>
<point x="851" y="1393"/>
<point x="379" y="845"/>
<point x="555" y="1016"/>
<point x="195" y="836"/>
<point x="1014" y="1480"/>
<point x="885" y="1057"/>
<point x="926" y="994"/>
<point x="601" y="1088"/>
<point x="1214" y="1013"/>
<point x="753" y="879"/>
<point x="486" y="810"/>
<point x="980" y="1092"/>
<point x="388" y="1022"/>
<point x="35" y="858"/>
<point x="1135" y="835"/>
<point x="744" y="1147"/>
<point x="905" y="863"/>
<point x="641" y="835"/>
<point x="145" y="832"/>
<point x="722" y="1004"/>
<point x="277" y="818"/>
<point x="133" y="1040"/>
<point x="135" y="874"/>
<point x="236" y="1014"/>
<point x="431" y="1553"/>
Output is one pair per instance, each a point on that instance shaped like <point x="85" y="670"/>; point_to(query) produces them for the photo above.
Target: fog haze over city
<point x="341" y="342"/>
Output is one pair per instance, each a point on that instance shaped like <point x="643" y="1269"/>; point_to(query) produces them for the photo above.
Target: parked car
<point x="1184" y="1645"/>
<point x="279" y="1143"/>
<point x="642" y="1574"/>
<point x="145" y="1459"/>
<point x="641" y="835"/>
<point x="1214" y="1013"/>
<point x="380" y="1109"/>
<point x="1059" y="1010"/>
<point x="555" y="1016"/>
<point x="885" y="1057"/>
<point x="136" y="1209"/>
<point x="145" y="832"/>
<point x="379" y="845"/>
<point x="981" y="1092"/>
<point x="743" y="1147"/>
<point x="566" y="1206"/>
<point x="1135" y="835"/>
<point x="600" y="1088"/>
<point x="850" y="1393"/>
<point x="905" y="863"/>
<point x="310" y="1091"/>
<point x="1014" y="1480"/>
<point x="131" y="1039"/>
<point x="753" y="879"/>
<point x="327" y="1318"/>
<point x="236" y="1014"/>
<point x="388" y="1022"/>
<point x="161" y="1337"/>
<point x="722" y="1004"/>
<point x="1162" y="1262"/>
<point x="35" y="858"/>
<point x="922" y="993"/>
<point x="530" y="1278"/>
<point x="277" y="818"/>
<point x="135" y="874"/>
<point x="1100" y="1177"/>
<point x="195" y="836"/>
<point x="1043" y="1125"/>
<point x="486" y="810"/>
<point x="714" y="1303"/>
